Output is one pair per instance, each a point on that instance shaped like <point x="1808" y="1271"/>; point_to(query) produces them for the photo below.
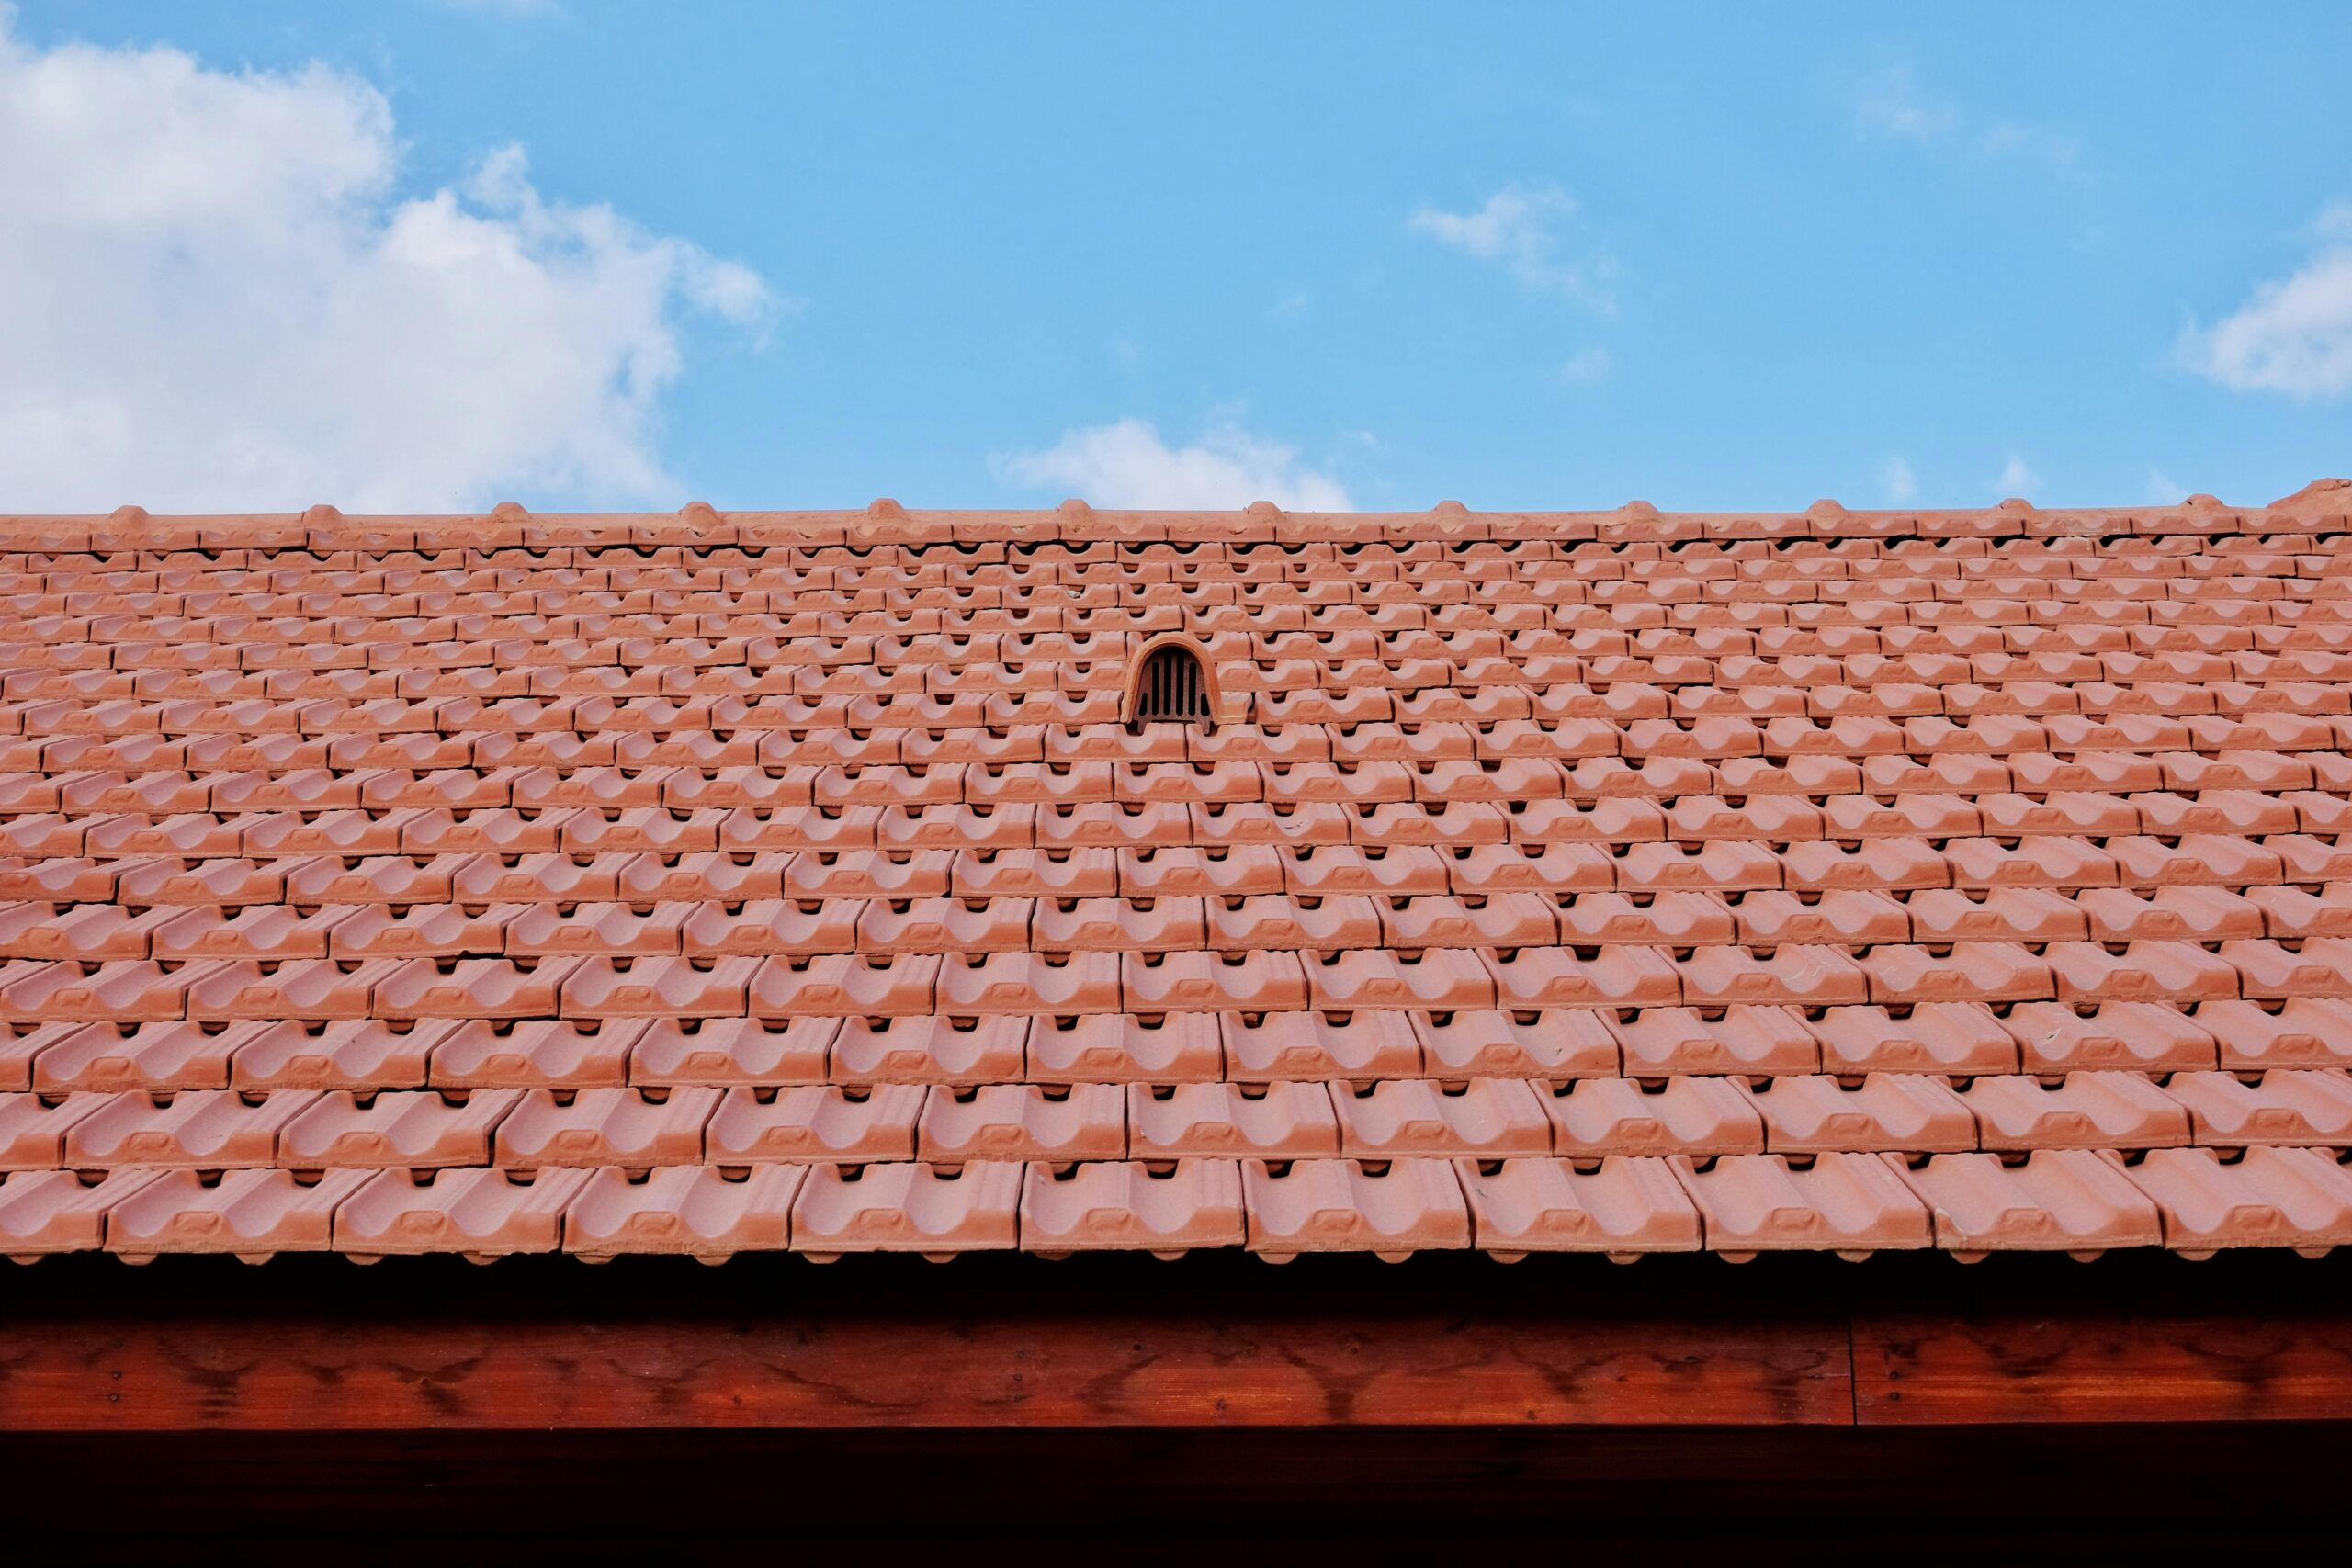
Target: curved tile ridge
<point x="1970" y="1205"/>
<point x="2321" y="506"/>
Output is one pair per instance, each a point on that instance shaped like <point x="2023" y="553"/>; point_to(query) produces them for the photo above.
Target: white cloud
<point x="1898" y="480"/>
<point x="2165" y="491"/>
<point x="2293" y="336"/>
<point x="2016" y="478"/>
<point x="2008" y="139"/>
<point x="1127" y="465"/>
<point x="1889" y="105"/>
<point x="212" y="299"/>
<point x="1588" y="367"/>
<point x="1518" y="229"/>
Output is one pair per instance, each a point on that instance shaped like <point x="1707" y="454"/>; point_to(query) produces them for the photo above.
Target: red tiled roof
<point x="1614" y="883"/>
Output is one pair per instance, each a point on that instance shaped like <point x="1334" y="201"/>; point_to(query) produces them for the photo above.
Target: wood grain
<point x="1097" y="1371"/>
<point x="1940" y="1371"/>
<point x="1142" y="1372"/>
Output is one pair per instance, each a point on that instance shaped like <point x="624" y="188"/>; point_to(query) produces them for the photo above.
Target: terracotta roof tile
<point x="906" y="1208"/>
<point x="1393" y="1209"/>
<point x="1166" y="1210"/>
<point x="1893" y="1112"/>
<point x="2083" y="1110"/>
<point x="812" y="1124"/>
<point x="1283" y="1121"/>
<point x="792" y="881"/>
<point x="1622" y="1207"/>
<point x="1611" y="1116"/>
<point x="1842" y="1202"/>
<point x="163" y="1057"/>
<point x="253" y="1213"/>
<point x="696" y="1211"/>
<point x="2056" y="1199"/>
<point x="2298" y="1198"/>
<point x="44" y="1212"/>
<point x="209" y="1129"/>
<point x="727" y="1050"/>
<point x="416" y="1130"/>
<point x="477" y="1211"/>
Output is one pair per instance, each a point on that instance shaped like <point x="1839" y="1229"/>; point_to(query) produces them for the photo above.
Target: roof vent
<point x="1171" y="688"/>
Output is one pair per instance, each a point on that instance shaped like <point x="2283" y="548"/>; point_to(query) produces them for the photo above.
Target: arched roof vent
<point x="1170" y="686"/>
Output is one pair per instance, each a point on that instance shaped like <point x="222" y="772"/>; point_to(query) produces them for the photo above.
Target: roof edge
<point x="2324" y="505"/>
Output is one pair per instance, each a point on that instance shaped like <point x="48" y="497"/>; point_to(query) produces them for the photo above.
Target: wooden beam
<point x="1941" y="1370"/>
<point x="1448" y="1343"/>
<point x="308" y="1374"/>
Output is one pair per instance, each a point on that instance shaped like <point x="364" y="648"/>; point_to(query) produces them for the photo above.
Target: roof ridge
<point x="2324" y="505"/>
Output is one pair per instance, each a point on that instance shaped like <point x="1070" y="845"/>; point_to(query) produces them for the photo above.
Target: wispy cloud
<point x="1588" y="368"/>
<point x="1890" y="103"/>
<point x="2294" y="335"/>
<point x="1897" y="479"/>
<point x="1125" y="464"/>
<point x="1519" y="230"/>
<point x="2010" y="139"/>
<point x="2016" y="479"/>
<point x="2165" y="491"/>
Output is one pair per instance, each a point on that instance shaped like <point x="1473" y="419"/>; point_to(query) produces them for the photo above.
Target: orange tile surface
<point x="1614" y="883"/>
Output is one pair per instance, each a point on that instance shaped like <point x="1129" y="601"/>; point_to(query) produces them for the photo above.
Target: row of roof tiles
<point x="382" y="564"/>
<point x="1531" y="605"/>
<point x="1573" y="721"/>
<point x="1558" y="1045"/>
<point x="1538" y="798"/>
<point x="953" y="852"/>
<point x="929" y="902"/>
<point x="637" y="706"/>
<point x="1185" y="981"/>
<point x="483" y="906"/>
<point x="1751" y="798"/>
<point x="713" y="627"/>
<point x="619" y="562"/>
<point x="1527" y="799"/>
<point x="325" y="643"/>
<point x="447" y="771"/>
<point x="2060" y="795"/>
<point x="648" y="627"/>
<point x="1855" y="1204"/>
<point x="1587" y="1119"/>
<point x="361" y="573"/>
<point x="2319" y="506"/>
<point x="1424" y="720"/>
<point x="1559" y="624"/>
<point x="612" y="647"/>
<point x="549" y="626"/>
<point x="1841" y="625"/>
<point x="1231" y="607"/>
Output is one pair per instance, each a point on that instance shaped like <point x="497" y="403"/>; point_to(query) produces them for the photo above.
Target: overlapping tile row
<point x="1605" y="883"/>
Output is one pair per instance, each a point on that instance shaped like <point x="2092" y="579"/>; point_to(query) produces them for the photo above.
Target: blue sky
<point x="601" y="255"/>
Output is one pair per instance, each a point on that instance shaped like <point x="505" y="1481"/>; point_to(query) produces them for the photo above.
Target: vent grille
<point x="1174" y="689"/>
